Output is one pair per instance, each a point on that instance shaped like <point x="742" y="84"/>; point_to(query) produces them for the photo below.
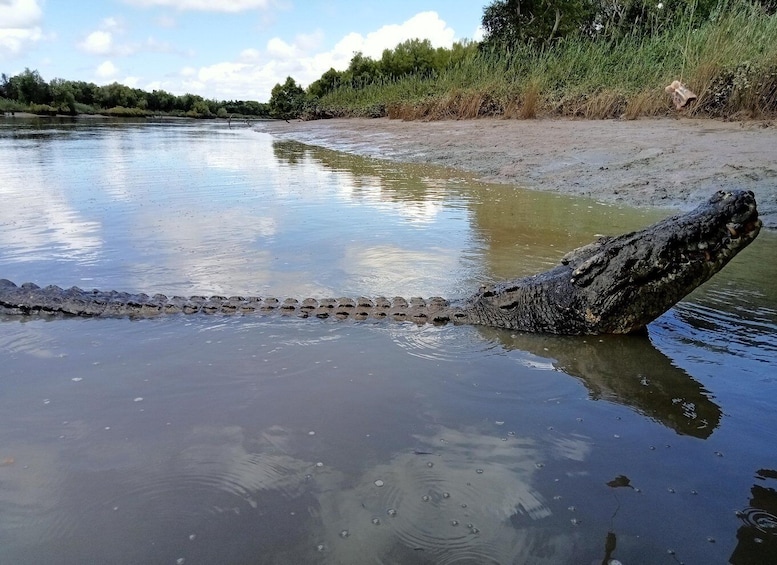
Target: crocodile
<point x="615" y="285"/>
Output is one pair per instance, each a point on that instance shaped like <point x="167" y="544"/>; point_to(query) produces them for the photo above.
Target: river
<point x="209" y="439"/>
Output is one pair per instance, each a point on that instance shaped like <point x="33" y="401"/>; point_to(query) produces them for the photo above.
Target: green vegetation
<point x="581" y="58"/>
<point x="28" y="92"/>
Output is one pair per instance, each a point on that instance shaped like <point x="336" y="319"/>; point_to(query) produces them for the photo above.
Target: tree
<point x="29" y="88"/>
<point x="287" y="100"/>
<point x="62" y="95"/>
<point x="328" y="82"/>
<point x="4" y="86"/>
<point x="361" y="71"/>
<point x="511" y="22"/>
<point x="411" y="56"/>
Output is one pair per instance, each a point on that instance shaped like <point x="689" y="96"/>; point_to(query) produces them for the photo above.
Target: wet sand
<point x="673" y="163"/>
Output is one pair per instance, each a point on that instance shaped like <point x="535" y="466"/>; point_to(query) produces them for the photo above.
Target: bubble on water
<point x="479" y="471"/>
<point x="308" y="477"/>
<point x="344" y="534"/>
<point x="511" y="434"/>
<point x="760" y="520"/>
<point x="711" y="539"/>
<point x="376" y="521"/>
<point x="539" y="465"/>
<point x="311" y="433"/>
<point x="575" y="522"/>
<point x="391" y="512"/>
<point x="500" y="423"/>
<point x="426" y="498"/>
<point x="180" y="561"/>
<point x="107" y="427"/>
<point x="719" y="454"/>
<point x="379" y="483"/>
<point x="463" y="504"/>
<point x="670" y="551"/>
<point x="320" y="464"/>
<point x="571" y="508"/>
<point x="320" y="547"/>
<point x="454" y="523"/>
<point x="192" y="537"/>
<point x="446" y="495"/>
<point x="46" y="401"/>
<point x="430" y="464"/>
<point x="138" y="399"/>
<point x="77" y="379"/>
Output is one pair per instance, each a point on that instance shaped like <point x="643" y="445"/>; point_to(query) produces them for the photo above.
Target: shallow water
<point x="237" y="440"/>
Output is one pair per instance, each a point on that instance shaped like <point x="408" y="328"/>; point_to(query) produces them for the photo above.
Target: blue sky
<point x="222" y="49"/>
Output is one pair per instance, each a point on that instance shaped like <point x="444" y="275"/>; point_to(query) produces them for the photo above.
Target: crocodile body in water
<point x="614" y="285"/>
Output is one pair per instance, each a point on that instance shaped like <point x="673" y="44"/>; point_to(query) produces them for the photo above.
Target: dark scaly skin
<point x="614" y="285"/>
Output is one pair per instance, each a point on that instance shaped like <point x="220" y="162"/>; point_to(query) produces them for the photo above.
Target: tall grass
<point x="729" y="61"/>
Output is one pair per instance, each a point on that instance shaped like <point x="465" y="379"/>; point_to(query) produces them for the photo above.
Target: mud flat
<point x="667" y="162"/>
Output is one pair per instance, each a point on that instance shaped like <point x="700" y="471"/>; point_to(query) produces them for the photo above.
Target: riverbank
<point x="667" y="162"/>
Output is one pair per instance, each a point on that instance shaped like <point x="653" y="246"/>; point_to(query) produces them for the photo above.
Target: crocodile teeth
<point x="732" y="229"/>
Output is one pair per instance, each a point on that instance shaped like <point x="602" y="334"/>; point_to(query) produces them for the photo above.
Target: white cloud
<point x="106" y="70"/>
<point x="19" y="27"/>
<point x="101" y="42"/>
<point x="165" y="22"/>
<point x="250" y="56"/>
<point x="97" y="43"/>
<point x="279" y="49"/>
<point x="19" y="14"/>
<point x="231" y="6"/>
<point x="253" y="74"/>
<point x="426" y="25"/>
<point x="111" y="23"/>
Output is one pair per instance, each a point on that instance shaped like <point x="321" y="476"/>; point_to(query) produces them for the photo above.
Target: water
<point x="251" y="440"/>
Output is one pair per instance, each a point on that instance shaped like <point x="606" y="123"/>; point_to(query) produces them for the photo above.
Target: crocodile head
<point x="628" y="281"/>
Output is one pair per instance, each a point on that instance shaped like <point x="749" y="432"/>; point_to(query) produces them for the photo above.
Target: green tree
<point x="29" y="88"/>
<point x="413" y="56"/>
<point x="85" y="92"/>
<point x="328" y="82"/>
<point x="511" y="22"/>
<point x="361" y="71"/>
<point x="287" y="100"/>
<point x="63" y="96"/>
<point x="4" y="86"/>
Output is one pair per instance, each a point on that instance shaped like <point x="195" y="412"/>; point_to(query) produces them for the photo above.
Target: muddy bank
<point x="672" y="163"/>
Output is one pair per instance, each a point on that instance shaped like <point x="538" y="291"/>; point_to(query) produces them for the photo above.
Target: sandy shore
<point x="672" y="163"/>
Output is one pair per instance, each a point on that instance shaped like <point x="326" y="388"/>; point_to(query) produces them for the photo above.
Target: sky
<point x="220" y="49"/>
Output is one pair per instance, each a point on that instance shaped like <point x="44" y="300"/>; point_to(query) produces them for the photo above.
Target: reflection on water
<point x="757" y="537"/>
<point x="628" y="370"/>
<point x="233" y="440"/>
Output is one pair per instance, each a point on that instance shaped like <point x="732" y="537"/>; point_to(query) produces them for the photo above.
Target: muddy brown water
<point x="267" y="440"/>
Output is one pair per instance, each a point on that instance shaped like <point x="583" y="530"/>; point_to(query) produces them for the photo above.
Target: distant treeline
<point x="28" y="92"/>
